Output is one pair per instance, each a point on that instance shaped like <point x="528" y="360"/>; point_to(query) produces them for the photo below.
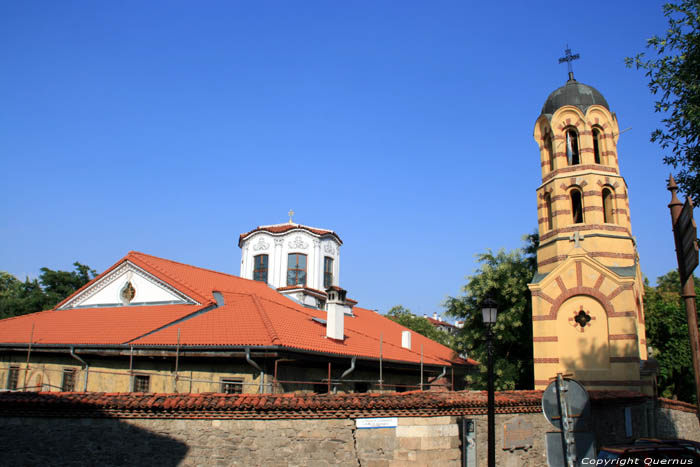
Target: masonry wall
<point x="192" y="432"/>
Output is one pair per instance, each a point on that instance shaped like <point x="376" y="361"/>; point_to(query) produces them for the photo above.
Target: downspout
<point x="444" y="372"/>
<point x="257" y="367"/>
<point x="345" y="373"/>
<point x="86" y="367"/>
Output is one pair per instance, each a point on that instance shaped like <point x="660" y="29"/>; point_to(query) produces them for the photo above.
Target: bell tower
<point x="587" y="308"/>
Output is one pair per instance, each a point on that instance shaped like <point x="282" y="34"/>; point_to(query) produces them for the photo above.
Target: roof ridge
<point x="27" y="314"/>
<point x="266" y="321"/>
<point x="189" y="265"/>
<point x="294" y="224"/>
<point x="178" y="280"/>
<point x="199" y="311"/>
<point x="91" y="282"/>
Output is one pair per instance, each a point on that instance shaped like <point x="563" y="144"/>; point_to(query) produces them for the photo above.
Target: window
<point x="549" y="213"/>
<point x="13" y="377"/>
<point x="296" y="269"/>
<point x="68" y="382"/>
<point x="576" y="206"/>
<point x="231" y="386"/>
<point x="608" y="206"/>
<point x="260" y="268"/>
<point x="361" y="387"/>
<point x="327" y="272"/>
<point x="142" y="383"/>
<point x="550" y="151"/>
<point x="596" y="145"/>
<point x="572" y="154"/>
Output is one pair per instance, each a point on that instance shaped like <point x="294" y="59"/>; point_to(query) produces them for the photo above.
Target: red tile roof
<point x="437" y="322"/>
<point x="90" y="326"/>
<point x="253" y="314"/>
<point x="262" y="406"/>
<point x="282" y="228"/>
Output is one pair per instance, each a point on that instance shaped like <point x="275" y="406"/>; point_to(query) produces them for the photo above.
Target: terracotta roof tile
<point x="253" y="314"/>
<point x="282" y="228"/>
<point x="93" y="326"/>
<point x="262" y="406"/>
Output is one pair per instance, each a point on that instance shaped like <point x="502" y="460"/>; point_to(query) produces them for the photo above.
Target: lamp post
<point x="489" y="312"/>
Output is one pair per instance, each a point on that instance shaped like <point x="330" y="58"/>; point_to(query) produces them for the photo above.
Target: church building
<point x="587" y="306"/>
<point x="148" y="324"/>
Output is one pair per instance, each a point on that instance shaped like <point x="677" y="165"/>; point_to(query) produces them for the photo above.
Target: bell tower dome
<point x="587" y="309"/>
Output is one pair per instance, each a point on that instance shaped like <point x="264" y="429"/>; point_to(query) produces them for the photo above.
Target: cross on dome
<point x="290" y="214"/>
<point x="568" y="58"/>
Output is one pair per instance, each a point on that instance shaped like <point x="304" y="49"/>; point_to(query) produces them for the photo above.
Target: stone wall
<point x="293" y="430"/>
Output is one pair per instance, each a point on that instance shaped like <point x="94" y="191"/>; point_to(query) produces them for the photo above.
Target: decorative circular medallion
<point x="127" y="293"/>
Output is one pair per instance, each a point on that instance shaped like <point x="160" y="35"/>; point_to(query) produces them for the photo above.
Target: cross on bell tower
<point x="568" y="58"/>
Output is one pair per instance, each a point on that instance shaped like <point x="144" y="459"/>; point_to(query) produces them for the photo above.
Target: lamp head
<point x="489" y="311"/>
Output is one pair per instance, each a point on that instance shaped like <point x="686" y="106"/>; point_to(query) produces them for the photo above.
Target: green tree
<point x="674" y="76"/>
<point x="667" y="334"/>
<point x="19" y="298"/>
<point x="503" y="277"/>
<point x="58" y="285"/>
<point x="404" y="317"/>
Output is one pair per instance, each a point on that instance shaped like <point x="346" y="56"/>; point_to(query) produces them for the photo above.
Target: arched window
<point x="608" y="217"/>
<point x="549" y="149"/>
<point x="548" y="206"/>
<point x="596" y="146"/>
<point x="260" y="268"/>
<point x="296" y="269"/>
<point x="572" y="154"/>
<point x="576" y="206"/>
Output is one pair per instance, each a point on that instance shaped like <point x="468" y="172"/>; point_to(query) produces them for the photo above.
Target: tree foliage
<point x="421" y="325"/>
<point x="667" y="334"/>
<point x="503" y="277"/>
<point x="19" y="298"/>
<point x="674" y="76"/>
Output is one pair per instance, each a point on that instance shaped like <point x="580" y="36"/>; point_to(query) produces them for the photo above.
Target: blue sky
<point x="172" y="127"/>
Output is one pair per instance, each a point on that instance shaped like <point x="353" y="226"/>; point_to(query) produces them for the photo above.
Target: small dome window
<point x="608" y="215"/>
<point x="576" y="206"/>
<point x="296" y="269"/>
<point x="549" y="213"/>
<point x="260" y="267"/>
<point x="597" y="146"/>
<point x="572" y="153"/>
<point x="549" y="150"/>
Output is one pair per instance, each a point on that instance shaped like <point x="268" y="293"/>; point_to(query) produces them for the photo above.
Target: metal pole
<point x="177" y="360"/>
<point x="491" y="402"/>
<point x="381" y="376"/>
<point x="421" y="367"/>
<point x="329" y="377"/>
<point x="29" y="352"/>
<point x="131" y="369"/>
<point x="687" y="292"/>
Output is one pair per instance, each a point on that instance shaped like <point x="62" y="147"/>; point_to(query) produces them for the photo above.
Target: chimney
<point x="435" y="316"/>
<point x="406" y="340"/>
<point x="335" y="315"/>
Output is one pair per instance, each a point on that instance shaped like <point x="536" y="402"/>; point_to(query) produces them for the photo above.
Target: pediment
<point x="127" y="285"/>
<point x="579" y="255"/>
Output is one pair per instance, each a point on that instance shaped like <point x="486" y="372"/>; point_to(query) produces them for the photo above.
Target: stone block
<point x="435" y="442"/>
<point x="410" y="443"/>
<point x="427" y="430"/>
<point x="409" y="421"/>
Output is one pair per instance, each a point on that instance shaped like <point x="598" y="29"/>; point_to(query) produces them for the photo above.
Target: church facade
<point x="587" y="296"/>
<point x="148" y="324"/>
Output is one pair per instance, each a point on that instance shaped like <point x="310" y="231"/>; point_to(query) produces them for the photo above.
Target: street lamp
<point x="489" y="312"/>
